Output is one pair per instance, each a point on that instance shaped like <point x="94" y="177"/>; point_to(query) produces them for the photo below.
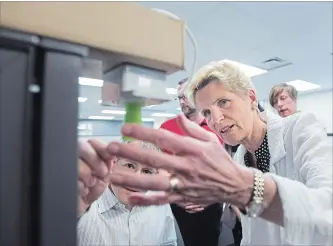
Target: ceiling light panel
<point x="249" y="71"/>
<point x="302" y="85"/>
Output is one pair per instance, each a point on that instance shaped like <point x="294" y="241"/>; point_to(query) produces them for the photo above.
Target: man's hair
<point x="278" y="89"/>
<point x="143" y="144"/>
<point x="183" y="81"/>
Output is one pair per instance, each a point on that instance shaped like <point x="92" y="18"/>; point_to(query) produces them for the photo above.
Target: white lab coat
<point x="301" y="165"/>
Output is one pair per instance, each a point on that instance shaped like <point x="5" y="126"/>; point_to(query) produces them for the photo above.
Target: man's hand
<point x="193" y="208"/>
<point x="94" y="166"/>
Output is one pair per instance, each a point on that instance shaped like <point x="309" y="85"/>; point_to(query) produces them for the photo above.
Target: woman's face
<point x="230" y="114"/>
<point x="285" y="105"/>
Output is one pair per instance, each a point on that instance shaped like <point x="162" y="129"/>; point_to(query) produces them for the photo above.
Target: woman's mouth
<point x="226" y="129"/>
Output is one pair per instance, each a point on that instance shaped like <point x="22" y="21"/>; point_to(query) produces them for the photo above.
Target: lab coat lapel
<point x="275" y="139"/>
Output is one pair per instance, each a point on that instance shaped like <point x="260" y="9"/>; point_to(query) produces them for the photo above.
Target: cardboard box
<point x="126" y="32"/>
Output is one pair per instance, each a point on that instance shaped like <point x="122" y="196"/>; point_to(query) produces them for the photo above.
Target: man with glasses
<point x="106" y="216"/>
<point x="198" y="225"/>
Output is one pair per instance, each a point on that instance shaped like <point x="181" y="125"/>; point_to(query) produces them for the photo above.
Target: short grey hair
<point x="143" y="144"/>
<point x="225" y="72"/>
<point x="278" y="89"/>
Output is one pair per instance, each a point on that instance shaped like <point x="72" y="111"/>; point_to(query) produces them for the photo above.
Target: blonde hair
<point x="278" y="89"/>
<point x="224" y="72"/>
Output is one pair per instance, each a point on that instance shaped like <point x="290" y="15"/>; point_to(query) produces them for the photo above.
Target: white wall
<point x="321" y="105"/>
<point x="158" y="121"/>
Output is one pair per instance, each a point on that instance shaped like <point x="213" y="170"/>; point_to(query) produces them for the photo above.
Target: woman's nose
<point x="217" y="116"/>
<point x="279" y="103"/>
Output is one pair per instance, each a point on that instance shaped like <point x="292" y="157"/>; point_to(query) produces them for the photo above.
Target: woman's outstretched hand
<point x="204" y="171"/>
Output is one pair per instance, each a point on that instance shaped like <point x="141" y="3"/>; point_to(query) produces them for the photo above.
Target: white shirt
<point x="301" y="165"/>
<point x="108" y="222"/>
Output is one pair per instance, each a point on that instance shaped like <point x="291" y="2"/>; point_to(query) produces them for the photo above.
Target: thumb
<point x="193" y="130"/>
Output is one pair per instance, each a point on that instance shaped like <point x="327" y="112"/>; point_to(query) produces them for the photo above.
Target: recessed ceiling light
<point x="100" y="117"/>
<point x="148" y="119"/>
<point x="82" y="99"/>
<point x="90" y="82"/>
<point x="247" y="69"/>
<point x="171" y="91"/>
<point x="162" y="115"/>
<point x="118" y="112"/>
<point x="302" y="85"/>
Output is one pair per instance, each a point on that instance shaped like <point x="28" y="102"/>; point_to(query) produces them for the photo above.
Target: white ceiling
<point x="249" y="32"/>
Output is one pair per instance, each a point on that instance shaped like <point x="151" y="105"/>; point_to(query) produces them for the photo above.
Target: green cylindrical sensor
<point x="133" y="115"/>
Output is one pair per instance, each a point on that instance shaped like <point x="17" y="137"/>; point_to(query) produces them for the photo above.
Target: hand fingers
<point x="155" y="199"/>
<point x="192" y="211"/>
<point x="153" y="182"/>
<point x="193" y="207"/>
<point x="101" y="149"/>
<point x="96" y="191"/>
<point x="152" y="158"/>
<point x="164" y="139"/>
<point x="193" y="130"/>
<point x="82" y="189"/>
<point x="85" y="174"/>
<point x="92" y="159"/>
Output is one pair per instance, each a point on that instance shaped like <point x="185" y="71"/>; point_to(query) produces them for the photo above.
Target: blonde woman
<point x="280" y="176"/>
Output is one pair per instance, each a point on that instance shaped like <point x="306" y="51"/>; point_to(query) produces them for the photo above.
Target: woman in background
<point x="283" y="98"/>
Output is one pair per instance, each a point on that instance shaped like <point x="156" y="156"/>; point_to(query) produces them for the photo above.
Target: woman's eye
<point x="223" y="103"/>
<point x="206" y="113"/>
<point x="130" y="165"/>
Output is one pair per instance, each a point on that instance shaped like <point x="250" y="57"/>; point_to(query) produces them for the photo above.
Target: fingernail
<point x="127" y="129"/>
<point x="113" y="147"/>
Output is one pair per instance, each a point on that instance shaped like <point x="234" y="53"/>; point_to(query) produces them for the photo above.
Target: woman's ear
<point x="253" y="99"/>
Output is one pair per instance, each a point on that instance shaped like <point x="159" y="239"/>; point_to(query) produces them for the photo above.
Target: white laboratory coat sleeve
<point x="307" y="205"/>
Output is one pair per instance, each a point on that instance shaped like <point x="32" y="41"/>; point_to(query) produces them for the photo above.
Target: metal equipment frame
<point x="38" y="134"/>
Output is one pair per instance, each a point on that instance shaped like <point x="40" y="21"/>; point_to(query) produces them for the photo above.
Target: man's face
<point x="184" y="104"/>
<point x="124" y="165"/>
<point x="285" y="105"/>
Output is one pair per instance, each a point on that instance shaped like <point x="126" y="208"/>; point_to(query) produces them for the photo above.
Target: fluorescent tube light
<point x="118" y="112"/>
<point x="163" y="115"/>
<point x="302" y="85"/>
<point x="82" y="99"/>
<point x="148" y="119"/>
<point x="171" y="91"/>
<point x="90" y="82"/>
<point x="250" y="71"/>
<point x="100" y="117"/>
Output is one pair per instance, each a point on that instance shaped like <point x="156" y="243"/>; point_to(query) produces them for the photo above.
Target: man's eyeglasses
<point x="180" y="97"/>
